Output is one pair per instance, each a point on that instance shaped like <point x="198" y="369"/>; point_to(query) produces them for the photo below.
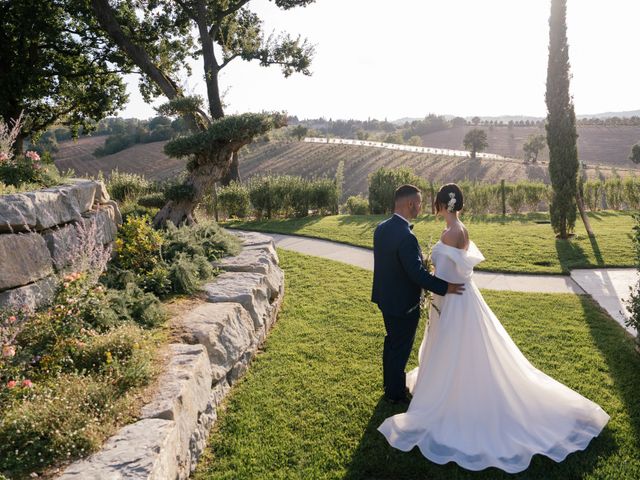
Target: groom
<point x="399" y="276"/>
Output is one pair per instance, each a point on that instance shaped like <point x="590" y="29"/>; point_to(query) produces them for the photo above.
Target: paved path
<point x="608" y="286"/>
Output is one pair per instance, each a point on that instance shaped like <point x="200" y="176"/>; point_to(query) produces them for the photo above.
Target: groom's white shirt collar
<point x="397" y="214"/>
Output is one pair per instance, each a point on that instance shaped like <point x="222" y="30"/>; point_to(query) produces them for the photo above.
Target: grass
<point x="515" y="244"/>
<point x="311" y="402"/>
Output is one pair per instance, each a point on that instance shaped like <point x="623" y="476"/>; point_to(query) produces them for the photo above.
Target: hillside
<point x="317" y="159"/>
<point x="300" y="158"/>
<point x="596" y="144"/>
<point x="147" y="159"/>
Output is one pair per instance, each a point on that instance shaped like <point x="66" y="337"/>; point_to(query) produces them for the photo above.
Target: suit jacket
<point x="398" y="272"/>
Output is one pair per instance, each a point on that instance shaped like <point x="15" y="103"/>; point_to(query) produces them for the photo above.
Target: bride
<point x="477" y="400"/>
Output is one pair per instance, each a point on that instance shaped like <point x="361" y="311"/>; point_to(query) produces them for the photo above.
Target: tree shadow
<point x="375" y="459"/>
<point x="596" y="251"/>
<point x="570" y="254"/>
<point x="617" y="348"/>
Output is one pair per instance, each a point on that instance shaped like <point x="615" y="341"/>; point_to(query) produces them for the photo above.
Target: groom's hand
<point x="455" y="288"/>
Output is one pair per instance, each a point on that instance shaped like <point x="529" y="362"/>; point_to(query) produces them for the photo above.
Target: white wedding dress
<point x="477" y="400"/>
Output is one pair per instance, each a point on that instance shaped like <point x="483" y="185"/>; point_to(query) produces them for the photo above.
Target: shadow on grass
<point x="374" y="458"/>
<point x="274" y="225"/>
<point x="617" y="349"/>
<point x="572" y="255"/>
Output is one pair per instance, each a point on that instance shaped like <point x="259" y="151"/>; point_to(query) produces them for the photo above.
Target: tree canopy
<point x="56" y="67"/>
<point x="561" y="126"/>
<point x="475" y="141"/>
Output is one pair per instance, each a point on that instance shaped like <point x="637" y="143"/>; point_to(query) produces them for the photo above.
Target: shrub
<point x="383" y="184"/>
<point x="114" y="144"/>
<point x="357" y="205"/>
<point x="516" y="198"/>
<point x="593" y="194"/>
<point x="152" y="200"/>
<point x="127" y="186"/>
<point x="138" y="246"/>
<point x="29" y="168"/>
<point x="614" y="193"/>
<point x="234" y="200"/>
<point x="633" y="304"/>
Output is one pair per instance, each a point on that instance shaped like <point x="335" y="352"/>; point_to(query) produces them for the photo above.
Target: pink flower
<point x="27" y="383"/>
<point x="12" y="319"/>
<point x="32" y="155"/>
<point x="11" y="384"/>
<point x="8" y="351"/>
<point x="3" y="157"/>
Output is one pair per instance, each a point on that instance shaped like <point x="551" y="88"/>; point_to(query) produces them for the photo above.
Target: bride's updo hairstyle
<point x="443" y="197"/>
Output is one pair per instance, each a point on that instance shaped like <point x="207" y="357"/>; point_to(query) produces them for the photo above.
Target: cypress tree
<point x="561" y="125"/>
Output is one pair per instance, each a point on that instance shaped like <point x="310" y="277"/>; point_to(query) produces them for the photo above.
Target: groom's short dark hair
<point x="404" y="191"/>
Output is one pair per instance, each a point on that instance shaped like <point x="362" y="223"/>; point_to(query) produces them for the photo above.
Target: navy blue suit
<point x="398" y="279"/>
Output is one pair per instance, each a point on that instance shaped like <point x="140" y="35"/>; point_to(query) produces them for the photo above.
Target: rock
<point x="248" y="289"/>
<point x="185" y="391"/>
<point x="17" y="213"/>
<point x="257" y="260"/>
<point x="63" y="244"/>
<point x="24" y="258"/>
<point x="250" y="239"/>
<point x="112" y="206"/>
<point x="142" y="450"/>
<point x="31" y="296"/>
<point x="241" y="367"/>
<point x="54" y="206"/>
<point x="225" y="329"/>
<point x="84" y="192"/>
<point x="102" y="221"/>
<point x="206" y="420"/>
<point x="102" y="196"/>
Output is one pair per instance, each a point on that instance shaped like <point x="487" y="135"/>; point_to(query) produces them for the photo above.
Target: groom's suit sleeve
<point x="411" y="260"/>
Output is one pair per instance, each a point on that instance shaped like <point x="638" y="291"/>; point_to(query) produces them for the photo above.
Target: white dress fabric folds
<point x="477" y="400"/>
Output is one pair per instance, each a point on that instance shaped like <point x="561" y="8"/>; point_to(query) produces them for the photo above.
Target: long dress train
<point x="477" y="400"/>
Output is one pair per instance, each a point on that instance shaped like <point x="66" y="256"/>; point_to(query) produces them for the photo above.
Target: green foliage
<point x="383" y="184"/>
<point x="124" y="186"/>
<point x="71" y="371"/>
<point x="561" y="126"/>
<point x="614" y="192"/>
<point x="357" y="205"/>
<point x="226" y="130"/>
<point x="299" y="132"/>
<point x="57" y="67"/>
<point x="180" y="192"/>
<point x="633" y="303"/>
<point x="475" y="141"/>
<point x="286" y="195"/>
<point x="29" y="170"/>
<point x="634" y="156"/>
<point x="233" y="200"/>
<point x="533" y="146"/>
<point x="152" y="200"/>
<point x="138" y="246"/>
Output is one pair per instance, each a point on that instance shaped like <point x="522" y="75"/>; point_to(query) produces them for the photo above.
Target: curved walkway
<point x="608" y="286"/>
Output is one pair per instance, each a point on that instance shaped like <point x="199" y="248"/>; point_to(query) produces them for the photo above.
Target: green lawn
<point x="516" y="244"/>
<point x="311" y="402"/>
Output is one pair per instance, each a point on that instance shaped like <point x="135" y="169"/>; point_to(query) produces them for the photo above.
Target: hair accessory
<point x="452" y="202"/>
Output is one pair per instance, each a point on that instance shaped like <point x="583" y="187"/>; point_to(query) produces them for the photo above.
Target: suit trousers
<point x="398" y="342"/>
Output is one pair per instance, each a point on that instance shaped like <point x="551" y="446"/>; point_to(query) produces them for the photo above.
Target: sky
<point x="409" y="58"/>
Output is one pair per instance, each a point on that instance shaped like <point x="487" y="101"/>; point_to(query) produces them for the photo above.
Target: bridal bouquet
<point x="426" y="302"/>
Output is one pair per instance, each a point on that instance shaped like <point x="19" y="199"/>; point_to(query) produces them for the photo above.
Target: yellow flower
<point x="109" y="358"/>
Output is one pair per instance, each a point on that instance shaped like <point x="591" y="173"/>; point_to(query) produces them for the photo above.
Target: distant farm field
<point x="147" y="159"/>
<point x="596" y="144"/>
<point x="607" y="144"/>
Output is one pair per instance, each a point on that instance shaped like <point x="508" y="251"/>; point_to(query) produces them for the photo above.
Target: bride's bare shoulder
<point x="457" y="236"/>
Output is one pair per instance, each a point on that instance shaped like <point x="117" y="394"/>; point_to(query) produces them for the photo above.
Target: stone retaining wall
<point x="39" y="232"/>
<point x="220" y="338"/>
